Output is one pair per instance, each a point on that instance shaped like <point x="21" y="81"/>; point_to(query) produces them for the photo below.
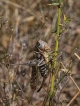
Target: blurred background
<point x="22" y="23"/>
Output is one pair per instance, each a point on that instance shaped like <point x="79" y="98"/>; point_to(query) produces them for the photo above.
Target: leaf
<point x="66" y="20"/>
<point x="65" y="17"/>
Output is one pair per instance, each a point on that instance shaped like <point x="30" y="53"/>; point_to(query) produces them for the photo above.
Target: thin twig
<point x="77" y="55"/>
<point x="75" y="83"/>
<point x="72" y="79"/>
<point x="73" y="98"/>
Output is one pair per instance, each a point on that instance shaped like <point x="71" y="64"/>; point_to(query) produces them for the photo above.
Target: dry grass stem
<point x="77" y="55"/>
<point x="73" y="98"/>
<point x="75" y="83"/>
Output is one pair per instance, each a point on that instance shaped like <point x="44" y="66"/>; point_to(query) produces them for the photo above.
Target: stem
<point x="57" y="36"/>
<point x="52" y="86"/>
<point x="56" y="51"/>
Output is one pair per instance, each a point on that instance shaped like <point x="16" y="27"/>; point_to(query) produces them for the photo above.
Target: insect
<point x="39" y="63"/>
<point x="41" y="55"/>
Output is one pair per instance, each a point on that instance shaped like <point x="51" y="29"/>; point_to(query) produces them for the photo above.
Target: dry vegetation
<point x="22" y="23"/>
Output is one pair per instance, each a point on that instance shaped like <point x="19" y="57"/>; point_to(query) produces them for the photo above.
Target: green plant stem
<point x="52" y="86"/>
<point x="56" y="50"/>
<point x="57" y="36"/>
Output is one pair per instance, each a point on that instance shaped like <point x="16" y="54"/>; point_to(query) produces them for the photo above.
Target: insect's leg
<point x="41" y="62"/>
<point x="41" y="85"/>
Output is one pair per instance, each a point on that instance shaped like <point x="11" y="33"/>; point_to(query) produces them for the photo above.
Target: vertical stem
<point x="52" y="86"/>
<point x="57" y="36"/>
<point x="56" y="51"/>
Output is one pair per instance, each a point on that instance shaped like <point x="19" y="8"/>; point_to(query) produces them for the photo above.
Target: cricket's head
<point x="43" y="46"/>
